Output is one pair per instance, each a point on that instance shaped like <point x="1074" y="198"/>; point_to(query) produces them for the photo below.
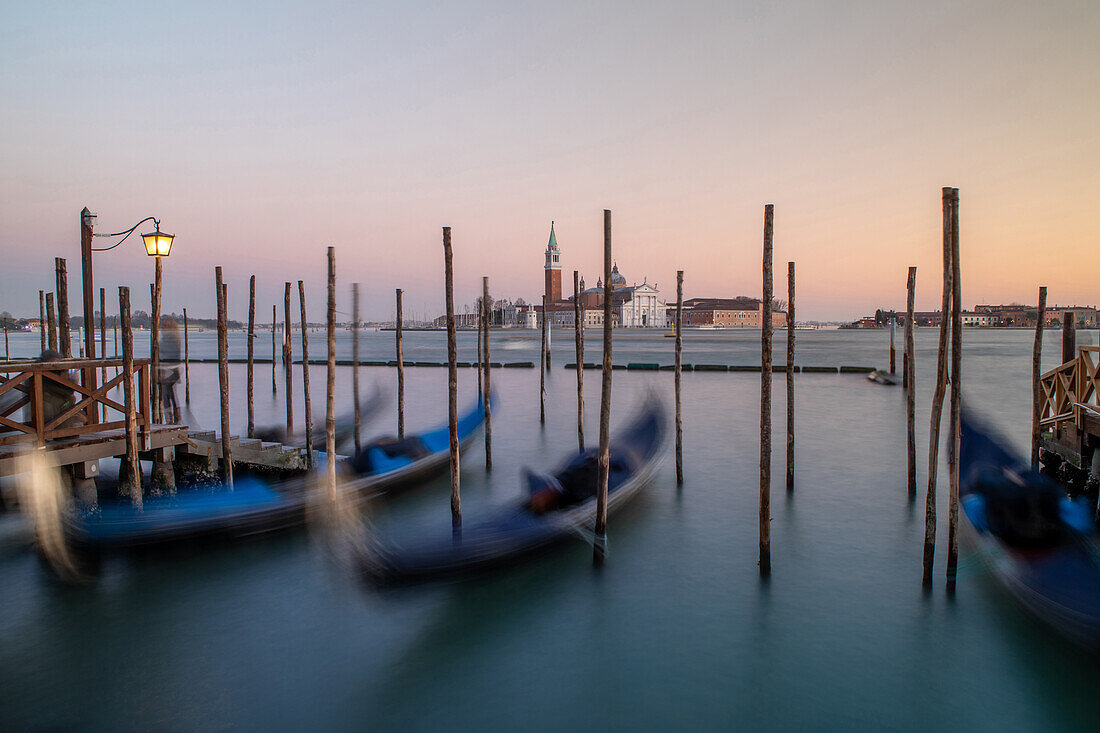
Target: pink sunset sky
<point x="260" y="133"/>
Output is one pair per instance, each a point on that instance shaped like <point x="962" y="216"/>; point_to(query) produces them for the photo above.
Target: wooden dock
<point x="1069" y="410"/>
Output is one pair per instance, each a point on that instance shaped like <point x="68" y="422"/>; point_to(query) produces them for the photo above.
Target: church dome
<point x="617" y="280"/>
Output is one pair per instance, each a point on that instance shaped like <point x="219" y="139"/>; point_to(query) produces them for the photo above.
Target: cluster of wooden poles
<point x="948" y="371"/>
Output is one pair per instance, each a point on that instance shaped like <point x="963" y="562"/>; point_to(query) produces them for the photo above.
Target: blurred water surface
<point x="675" y="631"/>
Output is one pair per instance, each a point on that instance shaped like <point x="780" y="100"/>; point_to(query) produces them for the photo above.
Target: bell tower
<point x="553" y="268"/>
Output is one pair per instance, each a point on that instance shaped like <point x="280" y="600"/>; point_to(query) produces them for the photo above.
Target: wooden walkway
<point x="91" y="447"/>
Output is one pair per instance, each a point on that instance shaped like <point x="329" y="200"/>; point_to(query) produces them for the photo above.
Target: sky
<point x="260" y="133"/>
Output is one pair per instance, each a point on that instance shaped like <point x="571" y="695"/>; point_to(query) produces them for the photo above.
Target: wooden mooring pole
<point x="1069" y="337"/>
<point x="790" y="376"/>
<point x="543" y="366"/>
<point x="51" y="322"/>
<point x="910" y="384"/>
<point x="599" y="539"/>
<point x="452" y="385"/>
<point x="400" y="372"/>
<point x="486" y="402"/>
<point x="937" y="401"/>
<point x="186" y="363"/>
<point x="42" y="319"/>
<point x="64" y="336"/>
<point x="766" y="399"/>
<point x="305" y="375"/>
<point x="7" y="352"/>
<point x="288" y="361"/>
<point x="154" y="347"/>
<point x="1036" y="382"/>
<point x="103" y="339"/>
<point x="677" y="368"/>
<point x="578" y="338"/>
<point x="355" y="363"/>
<point x="103" y="325"/>
<point x="955" y="429"/>
<point x="480" y="325"/>
<point x="250" y="428"/>
<point x="274" y="361"/>
<point x="223" y="377"/>
<point x="893" y="358"/>
<point x="130" y="472"/>
<point x="330" y="381"/>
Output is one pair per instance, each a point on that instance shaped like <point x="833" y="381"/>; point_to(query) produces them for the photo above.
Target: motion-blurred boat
<point x="516" y="529"/>
<point x="345" y="424"/>
<point x="255" y="505"/>
<point x="1042" y="546"/>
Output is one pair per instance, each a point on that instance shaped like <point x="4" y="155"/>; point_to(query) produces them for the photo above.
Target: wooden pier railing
<point x="1068" y="390"/>
<point x="82" y="402"/>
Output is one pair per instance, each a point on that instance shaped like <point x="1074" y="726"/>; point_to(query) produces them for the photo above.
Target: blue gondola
<point x="1042" y="546"/>
<point x="515" y="530"/>
<point x="255" y="505"/>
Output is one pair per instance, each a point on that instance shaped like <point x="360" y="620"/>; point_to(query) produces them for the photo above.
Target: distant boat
<point x="883" y="378"/>
<point x="1041" y="546"/>
<point x="514" y="530"/>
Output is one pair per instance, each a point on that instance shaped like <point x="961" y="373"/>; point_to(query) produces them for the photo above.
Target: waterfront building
<point x="739" y="312"/>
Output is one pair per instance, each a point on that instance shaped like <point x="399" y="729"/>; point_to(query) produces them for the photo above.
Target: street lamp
<point x="157" y="244"/>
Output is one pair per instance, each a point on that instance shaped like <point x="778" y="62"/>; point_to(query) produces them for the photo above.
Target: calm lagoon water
<point x="676" y="631"/>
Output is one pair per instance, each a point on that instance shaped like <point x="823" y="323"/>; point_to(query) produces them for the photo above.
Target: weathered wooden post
<point x="480" y="325"/>
<point x="154" y="346"/>
<point x="543" y="366"/>
<point x="599" y="539"/>
<point x="937" y="401"/>
<point x="330" y="382"/>
<point x="274" y="361"/>
<point x="305" y="375"/>
<point x="64" y="336"/>
<point x="677" y="369"/>
<point x="910" y="387"/>
<point x="766" y="399"/>
<point x="578" y="338"/>
<point x="1036" y="382"/>
<point x="355" y="361"/>
<point x="893" y="362"/>
<point x="186" y="363"/>
<point x="955" y="429"/>
<point x="251" y="338"/>
<point x="51" y="322"/>
<point x="223" y="376"/>
<point x="790" y="376"/>
<point x="103" y="336"/>
<point x="103" y="340"/>
<point x="288" y="361"/>
<point x="549" y="338"/>
<point x="400" y="372"/>
<point x="7" y="353"/>
<point x="1069" y="337"/>
<point x="114" y="321"/>
<point x="42" y="318"/>
<point x="487" y="406"/>
<point x="452" y="385"/>
<point x="130" y="471"/>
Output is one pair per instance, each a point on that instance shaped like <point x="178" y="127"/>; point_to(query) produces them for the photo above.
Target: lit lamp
<point x="158" y="244"/>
